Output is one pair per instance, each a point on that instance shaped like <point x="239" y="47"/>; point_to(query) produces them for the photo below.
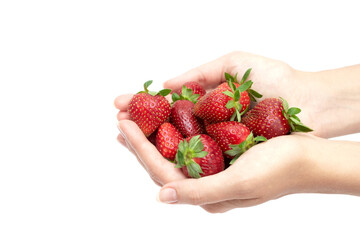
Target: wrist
<point x="331" y="167"/>
<point x="330" y="97"/>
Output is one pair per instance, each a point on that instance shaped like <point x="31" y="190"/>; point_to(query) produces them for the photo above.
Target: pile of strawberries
<point x="204" y="132"/>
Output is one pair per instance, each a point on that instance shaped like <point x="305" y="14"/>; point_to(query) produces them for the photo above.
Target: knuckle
<point x="247" y="187"/>
<point x="195" y="197"/>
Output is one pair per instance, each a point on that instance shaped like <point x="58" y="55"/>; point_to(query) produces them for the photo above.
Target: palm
<point x="272" y="78"/>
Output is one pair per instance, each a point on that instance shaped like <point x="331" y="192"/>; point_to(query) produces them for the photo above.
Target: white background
<point x="62" y="173"/>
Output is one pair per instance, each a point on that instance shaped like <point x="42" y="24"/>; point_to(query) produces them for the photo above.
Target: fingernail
<point x="167" y="195"/>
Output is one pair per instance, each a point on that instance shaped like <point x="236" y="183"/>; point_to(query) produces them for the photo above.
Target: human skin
<point x="284" y="165"/>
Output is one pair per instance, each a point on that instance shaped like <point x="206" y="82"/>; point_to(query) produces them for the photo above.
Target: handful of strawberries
<point x="202" y="132"/>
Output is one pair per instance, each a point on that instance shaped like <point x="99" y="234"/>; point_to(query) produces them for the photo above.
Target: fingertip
<point x="167" y="195"/>
<point x="121" y="140"/>
<point x="131" y="131"/>
<point x="122" y="116"/>
<point x="121" y="102"/>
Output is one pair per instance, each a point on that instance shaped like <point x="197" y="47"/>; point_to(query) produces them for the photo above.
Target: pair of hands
<point x="267" y="171"/>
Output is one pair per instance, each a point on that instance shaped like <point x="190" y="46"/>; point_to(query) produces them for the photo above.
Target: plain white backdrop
<point x="62" y="173"/>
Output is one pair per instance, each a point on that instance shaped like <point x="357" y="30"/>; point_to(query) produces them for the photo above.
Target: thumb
<point x="205" y="190"/>
<point x="208" y="75"/>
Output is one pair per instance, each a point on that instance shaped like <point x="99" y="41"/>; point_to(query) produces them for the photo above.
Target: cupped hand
<point x="272" y="78"/>
<point x="260" y="174"/>
<point x="267" y="171"/>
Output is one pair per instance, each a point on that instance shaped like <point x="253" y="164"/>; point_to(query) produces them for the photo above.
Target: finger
<point x="121" y="140"/>
<point x="121" y="102"/>
<point x="225" y="206"/>
<point x="122" y="116"/>
<point x="211" y="189"/>
<point x="157" y="166"/>
<point x="208" y="75"/>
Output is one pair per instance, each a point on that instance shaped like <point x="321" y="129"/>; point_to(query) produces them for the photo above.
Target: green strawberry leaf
<point x="152" y="93"/>
<point x="293" y="111"/>
<point x="232" y="152"/>
<point x="179" y="159"/>
<point x="302" y="128"/>
<point x="233" y="117"/>
<point x="238" y="149"/>
<point x="186" y="91"/>
<point x="194" y="169"/>
<point x="232" y="86"/>
<point x="230" y="104"/>
<point x="260" y="139"/>
<point x="238" y="115"/>
<point x="285" y="104"/>
<point x="235" y="77"/>
<point x="193" y="98"/>
<point x="175" y="97"/>
<point x="294" y="121"/>
<point x="243" y="112"/>
<point x="228" y="77"/>
<point x="245" y="76"/>
<point x="234" y="159"/>
<point x="228" y="93"/>
<point x="237" y="95"/>
<point x="296" y="118"/>
<point x="245" y="86"/>
<point x="254" y="93"/>
<point x="147" y="84"/>
<point x="186" y="94"/>
<point x="164" y="92"/>
<point x="200" y="154"/>
<point x="252" y="98"/>
<point x="193" y="141"/>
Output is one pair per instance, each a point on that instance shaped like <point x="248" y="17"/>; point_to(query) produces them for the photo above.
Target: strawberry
<point x="199" y="156"/>
<point x="167" y="140"/>
<point x="149" y="109"/>
<point x="182" y="115"/>
<point x="226" y="133"/>
<point x="226" y="102"/>
<point x="234" y="138"/>
<point x="152" y="138"/>
<point x="272" y="117"/>
<point x="194" y="86"/>
<point x="183" y="118"/>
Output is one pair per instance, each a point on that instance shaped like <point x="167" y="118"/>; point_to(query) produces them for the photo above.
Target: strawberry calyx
<point x="252" y="93"/>
<point x="186" y="94"/>
<point x="235" y="93"/>
<point x="163" y="92"/>
<point x="186" y="153"/>
<point x="238" y="149"/>
<point x="294" y="121"/>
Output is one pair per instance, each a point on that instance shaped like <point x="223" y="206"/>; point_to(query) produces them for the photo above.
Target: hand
<point x="272" y="78"/>
<point x="266" y="171"/>
<point x="296" y="163"/>
<point x="269" y="77"/>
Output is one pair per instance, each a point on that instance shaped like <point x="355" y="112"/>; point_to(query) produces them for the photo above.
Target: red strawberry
<point x="272" y="117"/>
<point x="195" y="86"/>
<point x="152" y="138"/>
<point x="199" y="156"/>
<point x="234" y="138"/>
<point x="167" y="140"/>
<point x="226" y="133"/>
<point x="183" y="118"/>
<point x="149" y="109"/>
<point x="226" y="102"/>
